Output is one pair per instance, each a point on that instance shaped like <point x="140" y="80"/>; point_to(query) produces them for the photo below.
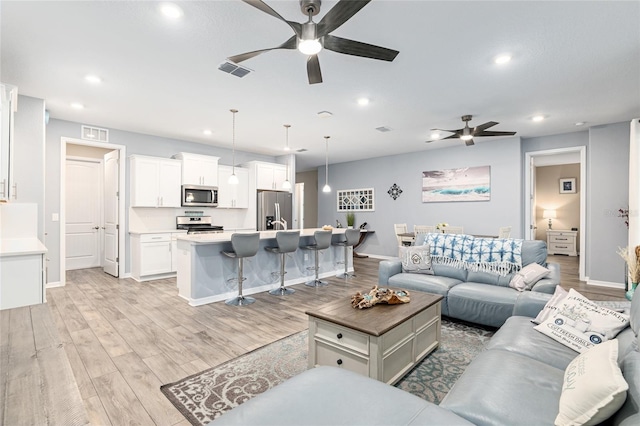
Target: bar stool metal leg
<point x="240" y="300"/>
<point x="346" y="274"/>
<point x="316" y="282"/>
<point x="282" y="290"/>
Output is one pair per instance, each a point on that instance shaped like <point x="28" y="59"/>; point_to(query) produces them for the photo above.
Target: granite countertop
<point x="159" y="231"/>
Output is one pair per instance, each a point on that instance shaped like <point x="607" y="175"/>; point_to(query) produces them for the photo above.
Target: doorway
<point x="554" y="157"/>
<point x="111" y="234"/>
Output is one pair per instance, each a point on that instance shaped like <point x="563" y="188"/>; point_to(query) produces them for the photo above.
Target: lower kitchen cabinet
<point x="153" y="256"/>
<point x="22" y="280"/>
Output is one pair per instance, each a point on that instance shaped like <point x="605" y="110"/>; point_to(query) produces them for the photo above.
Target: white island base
<point x="205" y="275"/>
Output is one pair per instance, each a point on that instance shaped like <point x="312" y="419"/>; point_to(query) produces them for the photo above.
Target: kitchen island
<point x="205" y="275"/>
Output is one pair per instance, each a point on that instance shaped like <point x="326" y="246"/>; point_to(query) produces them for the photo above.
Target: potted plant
<point x="351" y="219"/>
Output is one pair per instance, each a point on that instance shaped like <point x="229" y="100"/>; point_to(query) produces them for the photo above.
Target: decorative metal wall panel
<point x="355" y="200"/>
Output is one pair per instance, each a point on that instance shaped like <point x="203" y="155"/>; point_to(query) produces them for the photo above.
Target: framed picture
<point x="465" y="184"/>
<point x="567" y="185"/>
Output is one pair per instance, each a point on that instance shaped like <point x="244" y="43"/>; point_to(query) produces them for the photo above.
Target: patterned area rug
<point x="205" y="396"/>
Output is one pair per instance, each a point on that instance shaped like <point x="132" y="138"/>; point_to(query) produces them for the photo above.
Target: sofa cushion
<point x="505" y="388"/>
<point x="335" y="396"/>
<point x="629" y="414"/>
<point x="593" y="387"/>
<point x="534" y="251"/>
<point x="450" y="272"/>
<point x="427" y="283"/>
<point x="481" y="303"/>
<point x="518" y="336"/>
<point x="525" y="278"/>
<point x="489" y="278"/>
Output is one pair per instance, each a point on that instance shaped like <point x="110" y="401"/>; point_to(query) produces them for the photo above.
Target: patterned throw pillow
<point x="593" y="388"/>
<point x="416" y="259"/>
<point x="552" y="305"/>
<point x="528" y="276"/>
<point x="579" y="323"/>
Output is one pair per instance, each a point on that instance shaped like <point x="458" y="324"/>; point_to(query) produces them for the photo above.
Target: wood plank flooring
<point x="99" y="350"/>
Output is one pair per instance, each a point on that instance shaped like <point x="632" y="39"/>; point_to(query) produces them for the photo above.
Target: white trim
<point x="122" y="253"/>
<point x="606" y="284"/>
<point x="582" y="150"/>
<point x="54" y="284"/>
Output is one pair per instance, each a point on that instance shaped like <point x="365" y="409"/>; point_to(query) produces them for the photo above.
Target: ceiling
<point x="574" y="61"/>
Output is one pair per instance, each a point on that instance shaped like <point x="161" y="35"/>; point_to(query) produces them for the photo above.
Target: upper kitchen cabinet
<point x="9" y="95"/>
<point x="233" y="196"/>
<point x="198" y="169"/>
<point x="155" y="182"/>
<point x="269" y="176"/>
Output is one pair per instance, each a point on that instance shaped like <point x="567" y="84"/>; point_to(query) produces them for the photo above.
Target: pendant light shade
<point x="233" y="179"/>
<point x="287" y="184"/>
<point x="326" y="187"/>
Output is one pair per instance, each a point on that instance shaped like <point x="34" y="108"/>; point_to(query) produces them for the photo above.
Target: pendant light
<point x="326" y="187"/>
<point x="287" y="184"/>
<point x="233" y="179"/>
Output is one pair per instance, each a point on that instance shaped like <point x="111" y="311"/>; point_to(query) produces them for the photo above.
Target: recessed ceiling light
<point x="363" y="101"/>
<point x="94" y="79"/>
<point x="581" y="123"/>
<point x="207" y="132"/>
<point x="435" y="135"/>
<point x="502" y="58"/>
<point x="537" y="118"/>
<point x="324" y="114"/>
<point x="171" y="10"/>
<point x="77" y="105"/>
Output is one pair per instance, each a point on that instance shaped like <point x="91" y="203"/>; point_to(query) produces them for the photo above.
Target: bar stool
<point x="352" y="236"/>
<point x="287" y="243"/>
<point x="322" y="241"/>
<point x="244" y="245"/>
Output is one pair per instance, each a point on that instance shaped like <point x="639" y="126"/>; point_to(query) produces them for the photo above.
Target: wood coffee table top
<point x="378" y="319"/>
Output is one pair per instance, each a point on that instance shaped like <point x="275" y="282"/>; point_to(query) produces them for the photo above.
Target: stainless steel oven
<point x="199" y="196"/>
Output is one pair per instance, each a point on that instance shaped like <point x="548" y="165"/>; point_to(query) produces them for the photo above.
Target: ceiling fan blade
<point x="259" y="4"/>
<point x="495" y="133"/>
<point x="457" y="131"/>
<point x="339" y="14"/>
<point x="313" y="70"/>
<point x="289" y="44"/>
<point x="469" y="142"/>
<point x="357" y="48"/>
<point x="484" y="126"/>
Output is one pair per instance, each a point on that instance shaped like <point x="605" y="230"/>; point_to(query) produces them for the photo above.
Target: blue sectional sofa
<point x="516" y="380"/>
<point x="478" y="297"/>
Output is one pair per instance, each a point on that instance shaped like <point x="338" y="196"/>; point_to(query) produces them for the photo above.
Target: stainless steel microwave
<point x="199" y="196"/>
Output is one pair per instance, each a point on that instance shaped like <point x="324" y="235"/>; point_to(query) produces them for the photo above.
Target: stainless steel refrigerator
<point x="273" y="207"/>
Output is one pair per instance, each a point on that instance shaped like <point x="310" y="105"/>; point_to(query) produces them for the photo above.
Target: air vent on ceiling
<point x="95" y="134"/>
<point x="233" y="69"/>
<point x="383" y="129"/>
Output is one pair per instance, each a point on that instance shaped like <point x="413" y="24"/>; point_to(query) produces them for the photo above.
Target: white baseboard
<point x="605" y="284"/>
<point x="377" y="256"/>
<point x="54" y="284"/>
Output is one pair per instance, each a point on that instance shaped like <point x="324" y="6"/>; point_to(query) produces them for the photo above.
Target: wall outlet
<point x="55" y="217"/>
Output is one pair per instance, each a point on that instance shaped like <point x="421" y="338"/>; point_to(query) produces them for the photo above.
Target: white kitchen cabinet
<point x="22" y="280"/>
<point x="233" y="196"/>
<point x="155" y="182"/>
<point x="270" y="176"/>
<point x="153" y="256"/>
<point x="198" y="169"/>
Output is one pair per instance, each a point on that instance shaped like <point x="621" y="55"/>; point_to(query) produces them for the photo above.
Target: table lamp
<point x="549" y="214"/>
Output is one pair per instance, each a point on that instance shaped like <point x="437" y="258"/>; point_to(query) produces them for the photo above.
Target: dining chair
<point x="401" y="228"/>
<point x="423" y="229"/>
<point x="504" y="232"/>
<point x="454" y="230"/>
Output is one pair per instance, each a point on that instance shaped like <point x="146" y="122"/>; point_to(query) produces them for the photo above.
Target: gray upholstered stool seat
<point x="244" y="245"/>
<point x="287" y="243"/>
<point x="352" y="236"/>
<point x="322" y="241"/>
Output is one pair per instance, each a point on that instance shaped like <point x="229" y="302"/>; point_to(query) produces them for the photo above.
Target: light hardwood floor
<point x="123" y="339"/>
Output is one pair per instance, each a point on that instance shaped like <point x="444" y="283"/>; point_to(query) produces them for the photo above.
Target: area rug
<point x="204" y="396"/>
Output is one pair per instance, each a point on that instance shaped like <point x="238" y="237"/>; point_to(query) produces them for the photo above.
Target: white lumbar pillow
<point x="594" y="388"/>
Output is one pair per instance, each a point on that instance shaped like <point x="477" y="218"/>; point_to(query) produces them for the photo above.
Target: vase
<point x="629" y="294"/>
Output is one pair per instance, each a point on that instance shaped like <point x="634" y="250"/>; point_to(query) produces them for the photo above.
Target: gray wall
<point x="310" y="180"/>
<point x="504" y="208"/>
<point x="135" y="143"/>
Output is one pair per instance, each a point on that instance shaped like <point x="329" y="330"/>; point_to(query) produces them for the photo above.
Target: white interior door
<point x="532" y="194"/>
<point x="84" y="212"/>
<point x="110" y="250"/>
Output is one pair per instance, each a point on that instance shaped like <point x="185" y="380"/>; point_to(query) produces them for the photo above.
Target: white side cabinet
<point x="270" y="176"/>
<point x="562" y="242"/>
<point x="155" y="182"/>
<point x="233" y="196"/>
<point x="153" y="256"/>
<point x="22" y="280"/>
<point x="198" y="169"/>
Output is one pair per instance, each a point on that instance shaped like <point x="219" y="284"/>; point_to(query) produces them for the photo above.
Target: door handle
<point x="96" y="227"/>
<point x="103" y="227"/>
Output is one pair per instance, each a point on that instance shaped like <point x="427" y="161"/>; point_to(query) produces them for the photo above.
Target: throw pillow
<point x="552" y="305"/>
<point x="593" y="388"/>
<point x="416" y="259"/>
<point x="579" y="323"/>
<point x="525" y="278"/>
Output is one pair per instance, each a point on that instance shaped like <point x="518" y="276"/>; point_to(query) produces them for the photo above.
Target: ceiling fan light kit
<point x="467" y="133"/>
<point x="310" y="37"/>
